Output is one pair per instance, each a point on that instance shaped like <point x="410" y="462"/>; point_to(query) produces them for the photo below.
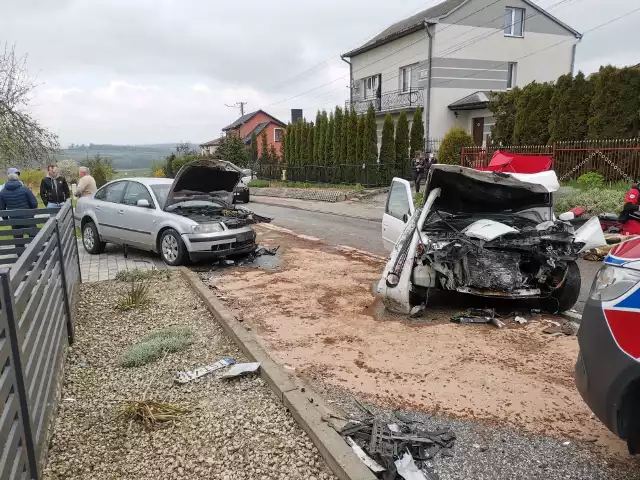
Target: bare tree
<point x="24" y="142"/>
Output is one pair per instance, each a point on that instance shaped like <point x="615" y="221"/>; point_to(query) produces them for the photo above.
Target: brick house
<point x="261" y="123"/>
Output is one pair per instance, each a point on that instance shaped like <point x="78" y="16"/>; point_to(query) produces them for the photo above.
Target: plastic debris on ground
<point x="568" y="328"/>
<point x="185" y="377"/>
<point x="475" y="315"/>
<point x="520" y="320"/>
<point x="241" y="369"/>
<point x="401" y="448"/>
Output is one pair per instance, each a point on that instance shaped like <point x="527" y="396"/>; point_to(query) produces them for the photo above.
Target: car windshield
<point x="161" y="191"/>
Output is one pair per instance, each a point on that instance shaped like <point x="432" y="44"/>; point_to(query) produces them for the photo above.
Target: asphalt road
<point x="366" y="235"/>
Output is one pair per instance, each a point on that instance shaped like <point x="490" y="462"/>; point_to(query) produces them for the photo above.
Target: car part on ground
<point x="487" y="234"/>
<point x="191" y="217"/>
<point x="378" y="444"/>
<point x="608" y="367"/>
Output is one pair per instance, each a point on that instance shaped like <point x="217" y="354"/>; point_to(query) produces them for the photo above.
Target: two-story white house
<point x="447" y="58"/>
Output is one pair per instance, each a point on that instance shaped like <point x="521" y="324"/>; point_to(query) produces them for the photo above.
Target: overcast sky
<point x="155" y="71"/>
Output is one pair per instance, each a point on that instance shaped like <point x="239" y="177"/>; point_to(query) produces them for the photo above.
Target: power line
<point x="377" y="61"/>
<point x="236" y="105"/>
<point x="314" y="68"/>
<point x="449" y="52"/>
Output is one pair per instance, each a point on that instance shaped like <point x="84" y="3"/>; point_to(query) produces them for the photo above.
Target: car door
<point x="107" y="203"/>
<point x="137" y="223"/>
<point x="398" y="209"/>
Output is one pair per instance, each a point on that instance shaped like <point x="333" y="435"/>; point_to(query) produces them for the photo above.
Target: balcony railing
<point x="388" y="101"/>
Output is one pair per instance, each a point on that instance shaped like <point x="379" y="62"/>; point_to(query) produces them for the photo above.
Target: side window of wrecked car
<point x="398" y="203"/>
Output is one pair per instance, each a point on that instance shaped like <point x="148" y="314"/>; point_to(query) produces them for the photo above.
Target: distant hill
<point x="124" y="157"/>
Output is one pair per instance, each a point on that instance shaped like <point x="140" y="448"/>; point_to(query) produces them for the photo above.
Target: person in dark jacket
<point x="54" y="189"/>
<point x="15" y="196"/>
<point x="418" y="169"/>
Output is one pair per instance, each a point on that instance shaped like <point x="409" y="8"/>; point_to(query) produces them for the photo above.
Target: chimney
<point x="296" y="113"/>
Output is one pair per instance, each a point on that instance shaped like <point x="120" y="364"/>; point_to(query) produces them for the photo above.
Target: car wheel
<point x="172" y="248"/>
<point x="246" y="199"/>
<point x="91" y="240"/>
<point x="567" y="295"/>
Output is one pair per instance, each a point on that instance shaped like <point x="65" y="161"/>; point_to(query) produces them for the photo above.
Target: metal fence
<point x="366" y="174"/>
<point x="37" y="306"/>
<point x="616" y="160"/>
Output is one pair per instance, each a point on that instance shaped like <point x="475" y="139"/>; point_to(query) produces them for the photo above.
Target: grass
<point x="136" y="296"/>
<point x="620" y="186"/>
<point x="157" y="344"/>
<point x="150" y="413"/>
<point x="278" y="184"/>
<point x="140" y="274"/>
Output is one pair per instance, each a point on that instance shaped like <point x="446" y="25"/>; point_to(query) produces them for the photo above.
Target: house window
<point x="371" y="85"/>
<point x="277" y="134"/>
<point x="405" y="79"/>
<point x="511" y="78"/>
<point x="513" y="22"/>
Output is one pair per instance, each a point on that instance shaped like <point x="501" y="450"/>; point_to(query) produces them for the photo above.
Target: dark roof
<point x="212" y="143"/>
<point x="245" y="118"/>
<point x="258" y="130"/>
<point x="476" y="100"/>
<point x="408" y="25"/>
<point x="416" y="22"/>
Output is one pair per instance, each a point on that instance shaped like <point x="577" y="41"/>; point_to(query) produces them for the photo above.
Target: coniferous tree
<point x="370" y="153"/>
<point x="328" y="143"/>
<point x="264" y="149"/>
<point x="254" y="147"/>
<point x="402" y="143"/>
<point x="316" y="139"/>
<point x="387" y="145"/>
<point x="503" y="107"/>
<point x="360" y="141"/>
<point x="352" y="138"/>
<point x="532" y="114"/>
<point x="299" y="140"/>
<point x="416" y="142"/>
<point x="337" y="137"/>
<point x="310" y="140"/>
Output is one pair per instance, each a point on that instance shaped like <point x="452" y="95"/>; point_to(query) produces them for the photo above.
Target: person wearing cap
<point x="16" y="196"/>
<point x="9" y="172"/>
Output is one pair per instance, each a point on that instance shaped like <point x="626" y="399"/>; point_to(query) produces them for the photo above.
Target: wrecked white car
<point x="489" y="234"/>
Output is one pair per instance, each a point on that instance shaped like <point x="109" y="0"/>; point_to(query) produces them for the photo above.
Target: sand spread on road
<point x="317" y="313"/>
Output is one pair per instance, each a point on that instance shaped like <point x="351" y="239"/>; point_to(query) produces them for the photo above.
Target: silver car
<point x="191" y="217"/>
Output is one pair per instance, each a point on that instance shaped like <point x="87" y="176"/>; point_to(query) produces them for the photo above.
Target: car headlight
<point x="207" y="228"/>
<point x="613" y="282"/>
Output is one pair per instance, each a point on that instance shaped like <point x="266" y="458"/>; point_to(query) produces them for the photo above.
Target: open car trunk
<point x="487" y="234"/>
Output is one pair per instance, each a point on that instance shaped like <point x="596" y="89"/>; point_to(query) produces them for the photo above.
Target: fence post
<point x="65" y="293"/>
<point x="7" y="302"/>
<point x="73" y="221"/>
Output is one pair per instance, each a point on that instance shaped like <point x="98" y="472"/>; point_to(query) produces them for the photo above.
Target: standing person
<point x="54" y="189"/>
<point x="15" y="196"/>
<point x="86" y="185"/>
<point x="417" y="168"/>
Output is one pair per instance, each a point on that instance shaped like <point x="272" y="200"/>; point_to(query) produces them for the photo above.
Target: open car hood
<point x="465" y="190"/>
<point x="203" y="180"/>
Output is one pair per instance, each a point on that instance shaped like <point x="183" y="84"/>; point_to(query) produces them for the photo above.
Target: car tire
<point x="172" y="249"/>
<point x="246" y="199"/>
<point x="91" y="239"/>
<point x="567" y="295"/>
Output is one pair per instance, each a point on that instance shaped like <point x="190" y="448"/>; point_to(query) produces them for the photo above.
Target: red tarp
<point x="514" y="163"/>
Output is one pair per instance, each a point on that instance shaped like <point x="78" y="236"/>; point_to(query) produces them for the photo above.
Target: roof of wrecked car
<point x="543" y="181"/>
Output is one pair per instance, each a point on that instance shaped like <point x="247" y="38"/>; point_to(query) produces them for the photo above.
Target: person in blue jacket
<point x="16" y="196"/>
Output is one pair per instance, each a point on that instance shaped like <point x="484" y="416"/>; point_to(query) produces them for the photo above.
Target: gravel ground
<point x="238" y="429"/>
<point x="496" y="453"/>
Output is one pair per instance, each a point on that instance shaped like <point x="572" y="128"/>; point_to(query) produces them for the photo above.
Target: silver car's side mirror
<point x="143" y="203"/>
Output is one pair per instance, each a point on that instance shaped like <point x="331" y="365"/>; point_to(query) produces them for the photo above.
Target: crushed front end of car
<point x="487" y="234"/>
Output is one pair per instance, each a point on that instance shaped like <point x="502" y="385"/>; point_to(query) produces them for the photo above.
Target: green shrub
<point x="100" y="169"/>
<point x="259" y="183"/>
<point x="590" y="181"/>
<point x="595" y="201"/>
<point x="417" y="199"/>
<point x="136" y="296"/>
<point x="156" y="344"/>
<point x="452" y="144"/>
<point x="32" y="177"/>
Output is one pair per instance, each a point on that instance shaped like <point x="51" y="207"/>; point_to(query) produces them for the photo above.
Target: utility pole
<point x="238" y="104"/>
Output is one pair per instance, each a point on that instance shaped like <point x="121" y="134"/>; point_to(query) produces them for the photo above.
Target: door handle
<point x="120" y="212"/>
<point x="97" y="209"/>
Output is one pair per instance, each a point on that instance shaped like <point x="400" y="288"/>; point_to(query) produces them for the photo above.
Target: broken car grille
<point x="494" y="270"/>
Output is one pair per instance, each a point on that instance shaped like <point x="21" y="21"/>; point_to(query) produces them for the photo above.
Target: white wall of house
<point x="471" y="53"/>
<point x="389" y="58"/>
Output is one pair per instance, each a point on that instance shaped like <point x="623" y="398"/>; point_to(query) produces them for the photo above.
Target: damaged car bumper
<point x="203" y="246"/>
<point x="486" y="235"/>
